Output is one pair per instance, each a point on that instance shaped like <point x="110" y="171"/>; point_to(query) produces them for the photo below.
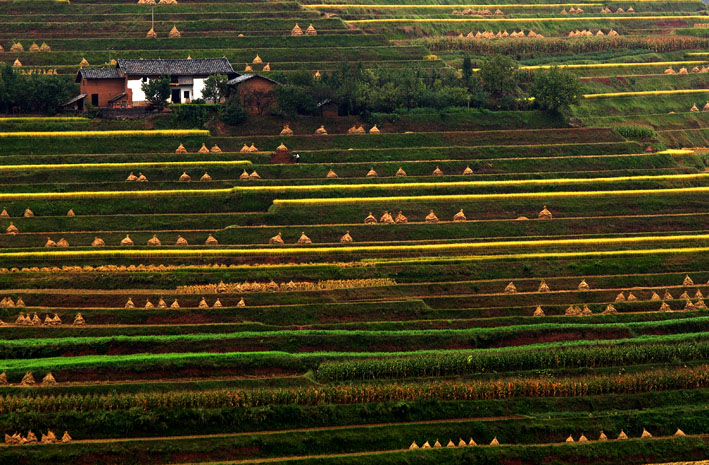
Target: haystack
<point x="203" y="149"/>
<point x="346" y="238"/>
<point x="631" y="297"/>
<point x="304" y="239"/>
<point x="203" y="303"/>
<point x="35" y="320"/>
<point x="426" y="445"/>
<point x="494" y="442"/>
<point x="181" y="241"/>
<point x="543" y="287"/>
<point x="630" y="10"/>
<point x="352" y="130"/>
<point x="700" y="305"/>
<point x="70" y="212"/>
<point x="49" y="380"/>
<point x="386" y="218"/>
<point x="62" y="243"/>
<point x="602" y="437"/>
<point x="78" y="320"/>
<point x="97" y="242"/>
<point x="437" y="445"/>
<point x="668" y="296"/>
<point x="205" y="177"/>
<point x="538" y="311"/>
<point x="244" y="175"/>
<point x="66" y="438"/>
<point x="612" y="33"/>
<point x="374" y="130"/>
<point x="162" y="303"/>
<point x="511" y="288"/>
<point x="400" y="173"/>
<point x="572" y="10"/>
<point x="460" y="216"/>
<point x="267" y="67"/>
<point x="400" y="218"/>
<point x="215" y="149"/>
<point x="620" y="10"/>
<point x="181" y="149"/>
<point x="127" y="241"/>
<point x="244" y="149"/>
<point x="241" y="303"/>
<point x="20" y="303"/>
<point x="148" y="305"/>
<point x="698" y="294"/>
<point x="184" y="177"/>
<point x="610" y="310"/>
<point x="321" y="131"/>
<point x="545" y="214"/>
<point x="151" y="34"/>
<point x="253" y="148"/>
<point x="450" y="443"/>
<point x="570" y="439"/>
<point x="360" y="130"/>
<point x="45" y="48"/>
<point x="28" y="213"/>
<point x="28" y="379"/>
<point x="684" y="295"/>
<point x="17" y="63"/>
<point x="586" y="311"/>
<point x="4" y="213"/>
<point x="17" y="48"/>
<point x="217" y="303"/>
<point x="687" y="281"/>
<point x="311" y="31"/>
<point x="286" y="131"/>
<point x="646" y="434"/>
<point x="211" y="241"/>
<point x="694" y="108"/>
<point x="257" y="60"/>
<point x="154" y="240"/>
<point x="467" y="171"/>
<point x="175" y="304"/>
<point x="622" y="435"/>
<point x="670" y="70"/>
<point x="317" y="75"/>
<point x="129" y="303"/>
<point x="370" y="219"/>
<point x="620" y="297"/>
<point x="655" y="296"/>
<point x="296" y="31"/>
<point x="431" y="217"/>
<point x="437" y="172"/>
<point x="34" y="47"/>
<point x="31" y="438"/>
<point x="3" y="381"/>
<point x="461" y="443"/>
<point x="583" y="438"/>
<point x="689" y="306"/>
<point x="248" y="68"/>
<point x="254" y="175"/>
<point x="277" y="239"/>
<point x="706" y="107"/>
<point x="683" y="71"/>
<point x="142" y="178"/>
<point x="679" y="432"/>
<point x="50" y="243"/>
<point x="371" y="173"/>
<point x="49" y="438"/>
<point x="174" y="33"/>
<point x="665" y="307"/>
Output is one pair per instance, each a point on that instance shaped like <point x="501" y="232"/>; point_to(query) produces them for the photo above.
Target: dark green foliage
<point x="234" y="113"/>
<point x="554" y="90"/>
<point x="33" y="94"/>
<point x="157" y="92"/>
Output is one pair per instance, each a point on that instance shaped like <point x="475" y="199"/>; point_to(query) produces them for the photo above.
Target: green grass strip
<point x="521" y="20"/>
<point x="127" y="133"/>
<point x="165" y="164"/>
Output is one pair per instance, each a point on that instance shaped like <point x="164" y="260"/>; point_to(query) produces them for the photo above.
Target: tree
<point x="215" y="88"/>
<point x="467" y="71"/>
<point x="554" y="90"/>
<point x="499" y="75"/>
<point x="157" y="92"/>
<point x="234" y="113"/>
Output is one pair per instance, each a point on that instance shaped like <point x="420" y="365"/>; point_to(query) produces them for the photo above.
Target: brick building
<point x="257" y="93"/>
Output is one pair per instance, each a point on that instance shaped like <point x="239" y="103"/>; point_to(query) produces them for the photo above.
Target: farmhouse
<point x="120" y="87"/>
<point x="257" y="93"/>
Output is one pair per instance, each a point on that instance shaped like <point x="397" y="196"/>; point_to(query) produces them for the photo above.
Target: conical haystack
<point x="267" y="67"/>
<point x="679" y="432"/>
<point x="620" y="297"/>
<point x="538" y="311"/>
<point x="304" y="239"/>
<point x="352" y="130"/>
<point x="127" y="241"/>
<point x="254" y="175"/>
<point x="668" y="296"/>
<point x="511" y="288"/>
<point x="175" y="304"/>
<point x="431" y="217"/>
<point x="203" y="303"/>
<point x="296" y="31"/>
<point x="17" y="63"/>
<point x="79" y="320"/>
<point x="437" y="172"/>
<point x="664" y="307"/>
<point x="670" y="70"/>
<point x="450" y="443"/>
<point x="586" y="311"/>
<point x="371" y="173"/>
<point x="148" y="305"/>
<point x="370" y="219"/>
<point x="631" y="297"/>
<point x="346" y="238"/>
<point x="426" y="445"/>
<point x="28" y="379"/>
<point x="28" y="213"/>
<point x="257" y="60"/>
<point x="20" y="303"/>
<point x="411" y="447"/>
<point x="545" y="214"/>
<point x="49" y="380"/>
<point x="494" y="442"/>
<point x="460" y="216"/>
<point x="570" y="439"/>
<point x="331" y="174"/>
<point x="655" y="296"/>
<point x="129" y="303"/>
<point x="277" y="239"/>
<point x="4" y="213"/>
<point x="583" y="438"/>
<point x="684" y="295"/>
<point x="437" y="445"/>
<point x="66" y="438"/>
<point x="241" y="303"/>
<point x="174" y="33"/>
<point x="602" y="437"/>
<point x="622" y="435"/>
<point x="386" y="218"/>
<point x="62" y="243"/>
<point x="311" y="31"/>
<point x="217" y="304"/>
<point x="253" y="148"/>
<point x="374" y="130"/>
<point x="400" y="173"/>
<point x="205" y="177"/>
<point x="151" y="34"/>
<point x="181" y="149"/>
<point x="203" y="149"/>
<point x="50" y="243"/>
<point x="244" y="175"/>
<point x="400" y="218"/>
<point x="162" y="303"/>
<point x="181" y="241"/>
<point x="17" y="48"/>
<point x="142" y="178"/>
<point x="286" y="131"/>
<point x="154" y="240"/>
<point x="687" y="281"/>
<point x="34" y="47"/>
<point x="211" y="241"/>
<point x="244" y="149"/>
<point x="215" y="149"/>
<point x="694" y="108"/>
<point x="44" y="47"/>
<point x="97" y="242"/>
<point x="467" y="171"/>
<point x="683" y="71"/>
<point x="70" y="212"/>
<point x="646" y="434"/>
<point x="12" y="229"/>
<point x="184" y="177"/>
<point x="321" y="131"/>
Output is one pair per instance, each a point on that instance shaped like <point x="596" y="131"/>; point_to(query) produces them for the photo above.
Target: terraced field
<point x="465" y="286"/>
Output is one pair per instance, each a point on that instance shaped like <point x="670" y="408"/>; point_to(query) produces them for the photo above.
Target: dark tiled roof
<point x="246" y="77"/>
<point x="117" y="97"/>
<point x="173" y="67"/>
<point x="98" y="73"/>
<point x="76" y="99"/>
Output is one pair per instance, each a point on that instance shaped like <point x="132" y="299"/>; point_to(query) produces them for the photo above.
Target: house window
<point x="187" y="95"/>
<point x="174" y="80"/>
<point x="94" y="100"/>
<point x="145" y="79"/>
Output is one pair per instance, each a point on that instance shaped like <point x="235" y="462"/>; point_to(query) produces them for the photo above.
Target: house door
<point x="175" y="95"/>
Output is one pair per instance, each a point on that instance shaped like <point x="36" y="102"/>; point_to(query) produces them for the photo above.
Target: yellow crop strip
<point x="160" y="252"/>
<point x="646" y="93"/>
<point x="467" y="197"/>
<point x="164" y="164"/>
<point x="338" y="187"/>
<point x="617" y="65"/>
<point x="42" y="118"/>
<point x="519" y="20"/>
<point x="166" y="132"/>
<point x="448" y="7"/>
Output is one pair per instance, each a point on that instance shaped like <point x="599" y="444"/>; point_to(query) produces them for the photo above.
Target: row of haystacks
<point x="683" y="70"/>
<point x="161" y="304"/>
<point x="49" y="438"/>
<point x="173" y="34"/>
<point x="17" y="47"/>
<point x="29" y="380"/>
<point x="500" y="35"/>
<point x="589" y="33"/>
<point x="291" y="286"/>
<point x="387" y="217"/>
<point x="297" y="31"/>
<point x="26" y="320"/>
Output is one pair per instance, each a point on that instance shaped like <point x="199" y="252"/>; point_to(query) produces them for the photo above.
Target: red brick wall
<point x="105" y="88"/>
<point x="257" y="85"/>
